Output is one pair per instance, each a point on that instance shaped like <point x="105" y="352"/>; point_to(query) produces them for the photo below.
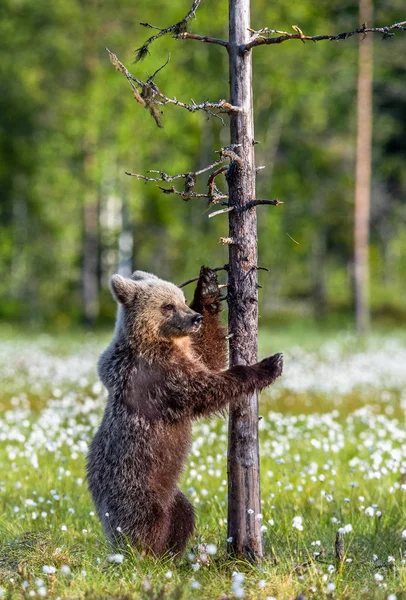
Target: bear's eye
<point x="168" y="307"/>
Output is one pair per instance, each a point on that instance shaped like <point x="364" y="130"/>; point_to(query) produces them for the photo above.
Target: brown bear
<point x="163" y="369"/>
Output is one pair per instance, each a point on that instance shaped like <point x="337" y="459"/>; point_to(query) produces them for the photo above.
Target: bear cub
<point x="165" y="367"/>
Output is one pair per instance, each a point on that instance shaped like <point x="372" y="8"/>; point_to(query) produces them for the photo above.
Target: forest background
<point x="70" y="128"/>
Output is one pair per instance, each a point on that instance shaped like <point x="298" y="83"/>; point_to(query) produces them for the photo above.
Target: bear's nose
<point x="197" y="319"/>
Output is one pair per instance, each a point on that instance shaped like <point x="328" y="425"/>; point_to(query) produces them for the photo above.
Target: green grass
<point x="327" y="455"/>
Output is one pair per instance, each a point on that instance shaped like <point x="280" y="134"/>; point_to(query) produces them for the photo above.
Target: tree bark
<point x="363" y="175"/>
<point x="244" y="502"/>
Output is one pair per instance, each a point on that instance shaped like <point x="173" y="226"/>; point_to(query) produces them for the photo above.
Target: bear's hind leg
<point x="182" y="523"/>
<point x="150" y="530"/>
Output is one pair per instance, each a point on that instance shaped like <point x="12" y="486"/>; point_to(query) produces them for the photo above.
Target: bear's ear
<point x="142" y="275"/>
<point x="123" y="289"/>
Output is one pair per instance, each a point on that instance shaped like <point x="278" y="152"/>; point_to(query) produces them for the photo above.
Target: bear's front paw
<point x="207" y="290"/>
<point x="273" y="365"/>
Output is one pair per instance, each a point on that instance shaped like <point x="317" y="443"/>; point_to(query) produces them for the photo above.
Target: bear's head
<point x="151" y="309"/>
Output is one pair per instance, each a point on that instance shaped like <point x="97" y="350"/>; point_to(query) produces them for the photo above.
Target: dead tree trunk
<point x="244" y="503"/>
<point x="363" y="175"/>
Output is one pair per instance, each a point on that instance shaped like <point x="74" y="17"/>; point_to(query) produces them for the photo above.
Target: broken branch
<point x="262" y="37"/>
<point x="247" y="206"/>
<point x="253" y="203"/>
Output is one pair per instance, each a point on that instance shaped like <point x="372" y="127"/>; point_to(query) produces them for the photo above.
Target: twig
<point x="223" y="268"/>
<point x="185" y="35"/>
<point x="176" y="29"/>
<point x="289" y="236"/>
<point x="214" y="192"/>
<point x="261" y="37"/>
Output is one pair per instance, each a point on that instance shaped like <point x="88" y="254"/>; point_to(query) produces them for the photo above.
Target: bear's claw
<point x="207" y="288"/>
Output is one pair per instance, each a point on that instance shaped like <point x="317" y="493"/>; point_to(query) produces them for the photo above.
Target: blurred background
<point x="70" y="128"/>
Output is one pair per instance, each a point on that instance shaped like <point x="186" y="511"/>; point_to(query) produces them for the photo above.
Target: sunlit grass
<point x="330" y="459"/>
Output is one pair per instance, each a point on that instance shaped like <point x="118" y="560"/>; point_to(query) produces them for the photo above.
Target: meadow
<point x="333" y="458"/>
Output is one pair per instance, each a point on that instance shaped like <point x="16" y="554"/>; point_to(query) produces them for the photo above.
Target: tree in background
<point x="363" y="174"/>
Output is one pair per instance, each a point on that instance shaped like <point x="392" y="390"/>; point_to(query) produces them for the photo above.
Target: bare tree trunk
<point x="363" y="174"/>
<point x="244" y="502"/>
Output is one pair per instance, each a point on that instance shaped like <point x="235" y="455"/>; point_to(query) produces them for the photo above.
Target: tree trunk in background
<point x="90" y="253"/>
<point x="125" y="240"/>
<point x="91" y="200"/>
<point x="363" y="174"/>
<point x="244" y="503"/>
<point x="319" y="243"/>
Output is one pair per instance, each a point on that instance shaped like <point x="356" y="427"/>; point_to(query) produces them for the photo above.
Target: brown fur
<point x="162" y="371"/>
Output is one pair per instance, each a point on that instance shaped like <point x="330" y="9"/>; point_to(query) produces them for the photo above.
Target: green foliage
<point x="69" y="128"/>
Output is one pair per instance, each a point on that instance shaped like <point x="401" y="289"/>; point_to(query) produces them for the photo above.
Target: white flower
<point x="331" y="568"/>
<point x="404" y="533"/>
<point x="370" y="511"/>
<point x="115" y="558"/>
<point x="42" y="591"/>
<point x="211" y="549"/>
<point x="378" y="577"/>
<point x="64" y="528"/>
<point x="168" y="574"/>
<point x="391" y="597"/>
<point x="331" y="587"/>
<point x="195" y="585"/>
<point x="391" y="559"/>
<point x="297" y="523"/>
<point x="237" y="588"/>
<point x="65" y="569"/>
<point x="47" y="569"/>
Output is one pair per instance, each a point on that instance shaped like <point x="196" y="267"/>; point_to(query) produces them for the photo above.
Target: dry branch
<point x="262" y="37"/>
<point x="148" y="95"/>
<point x="190" y="195"/>
<point x="253" y="203"/>
<point x="176" y="29"/>
<point x="201" y="38"/>
<point x="214" y="195"/>
<point x="246" y="207"/>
